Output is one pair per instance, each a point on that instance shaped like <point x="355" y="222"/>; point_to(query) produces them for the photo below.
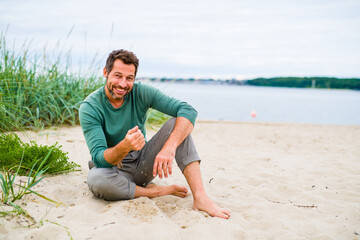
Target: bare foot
<point x="153" y="190"/>
<point x="205" y="204"/>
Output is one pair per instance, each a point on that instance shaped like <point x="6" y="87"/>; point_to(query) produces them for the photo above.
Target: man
<point x="113" y="121"/>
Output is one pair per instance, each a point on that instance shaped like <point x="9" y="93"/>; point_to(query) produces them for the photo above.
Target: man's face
<point x="120" y="80"/>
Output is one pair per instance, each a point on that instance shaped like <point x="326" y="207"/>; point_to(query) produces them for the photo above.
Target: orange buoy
<point x="253" y="113"/>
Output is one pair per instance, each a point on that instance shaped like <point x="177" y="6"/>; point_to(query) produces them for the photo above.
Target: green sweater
<point x="105" y="126"/>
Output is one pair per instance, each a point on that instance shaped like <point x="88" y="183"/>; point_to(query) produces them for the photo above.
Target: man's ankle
<point x="200" y="195"/>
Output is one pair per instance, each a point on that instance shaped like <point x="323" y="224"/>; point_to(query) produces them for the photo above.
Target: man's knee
<point x="107" y="184"/>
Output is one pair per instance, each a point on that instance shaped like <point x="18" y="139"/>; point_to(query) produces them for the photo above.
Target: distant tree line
<point x="296" y="82"/>
<point x="307" y="82"/>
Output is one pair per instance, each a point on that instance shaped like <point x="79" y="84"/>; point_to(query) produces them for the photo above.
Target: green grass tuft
<point x="14" y="152"/>
<point x="13" y="190"/>
<point x="155" y="119"/>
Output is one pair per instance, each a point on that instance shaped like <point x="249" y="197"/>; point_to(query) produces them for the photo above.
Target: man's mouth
<point x="120" y="90"/>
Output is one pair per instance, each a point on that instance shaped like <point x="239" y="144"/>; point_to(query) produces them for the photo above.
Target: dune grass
<point x="36" y="94"/>
<point x="39" y="91"/>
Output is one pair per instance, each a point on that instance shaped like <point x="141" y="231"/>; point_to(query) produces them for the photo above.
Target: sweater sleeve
<point x="168" y="105"/>
<point x="94" y="135"/>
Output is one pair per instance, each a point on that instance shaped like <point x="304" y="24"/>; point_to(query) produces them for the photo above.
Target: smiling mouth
<point x="120" y="90"/>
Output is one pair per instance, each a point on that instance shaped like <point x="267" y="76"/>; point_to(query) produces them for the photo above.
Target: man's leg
<point x="187" y="160"/>
<point x="201" y="200"/>
<point x="143" y="173"/>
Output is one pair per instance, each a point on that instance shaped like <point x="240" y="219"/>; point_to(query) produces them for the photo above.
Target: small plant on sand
<point x="14" y="152"/>
<point x="13" y="190"/>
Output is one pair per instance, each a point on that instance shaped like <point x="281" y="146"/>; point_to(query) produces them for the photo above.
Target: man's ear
<point x="105" y="73"/>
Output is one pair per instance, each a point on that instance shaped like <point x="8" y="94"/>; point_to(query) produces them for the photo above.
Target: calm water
<point x="293" y="105"/>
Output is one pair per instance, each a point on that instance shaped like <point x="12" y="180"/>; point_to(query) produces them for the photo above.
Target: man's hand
<point x="163" y="162"/>
<point x="134" y="139"/>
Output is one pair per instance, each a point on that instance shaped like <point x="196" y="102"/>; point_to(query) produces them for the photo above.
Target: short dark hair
<point x="125" y="56"/>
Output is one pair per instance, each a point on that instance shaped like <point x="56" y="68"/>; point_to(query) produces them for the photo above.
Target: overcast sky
<point x="189" y="38"/>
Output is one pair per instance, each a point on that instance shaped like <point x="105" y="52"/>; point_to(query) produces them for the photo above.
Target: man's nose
<point x="122" y="82"/>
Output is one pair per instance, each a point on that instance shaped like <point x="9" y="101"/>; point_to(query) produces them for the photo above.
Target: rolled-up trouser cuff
<point x="182" y="163"/>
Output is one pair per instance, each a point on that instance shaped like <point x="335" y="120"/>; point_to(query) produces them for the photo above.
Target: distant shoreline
<point x="292" y="82"/>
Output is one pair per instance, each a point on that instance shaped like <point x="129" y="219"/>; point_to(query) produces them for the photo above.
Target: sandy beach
<point x="280" y="181"/>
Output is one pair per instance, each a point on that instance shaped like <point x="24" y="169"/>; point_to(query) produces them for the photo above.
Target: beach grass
<point x="38" y="91"/>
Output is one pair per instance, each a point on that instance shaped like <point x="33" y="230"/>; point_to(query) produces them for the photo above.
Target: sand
<point x="280" y="181"/>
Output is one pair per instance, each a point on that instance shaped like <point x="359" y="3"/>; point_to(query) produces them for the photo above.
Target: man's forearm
<point x="116" y="154"/>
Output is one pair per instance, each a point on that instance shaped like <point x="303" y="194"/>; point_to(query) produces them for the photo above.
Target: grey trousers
<point x="119" y="184"/>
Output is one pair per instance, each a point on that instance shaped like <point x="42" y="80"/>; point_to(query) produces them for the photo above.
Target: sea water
<point x="267" y="104"/>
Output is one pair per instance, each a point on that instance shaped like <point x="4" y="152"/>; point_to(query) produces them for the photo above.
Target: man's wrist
<point x="170" y="147"/>
<point x="122" y="147"/>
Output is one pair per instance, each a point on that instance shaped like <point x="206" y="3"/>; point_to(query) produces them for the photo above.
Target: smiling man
<point x="123" y="162"/>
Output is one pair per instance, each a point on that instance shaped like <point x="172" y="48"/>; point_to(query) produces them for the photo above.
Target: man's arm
<point x="133" y="141"/>
<point x="163" y="161"/>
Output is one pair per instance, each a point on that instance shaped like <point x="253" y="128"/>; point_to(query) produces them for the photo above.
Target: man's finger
<point x="170" y="167"/>
<point x="165" y="169"/>
<point x="139" y="136"/>
<point x="160" y="172"/>
<point x="133" y="130"/>
<point x="155" y="168"/>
